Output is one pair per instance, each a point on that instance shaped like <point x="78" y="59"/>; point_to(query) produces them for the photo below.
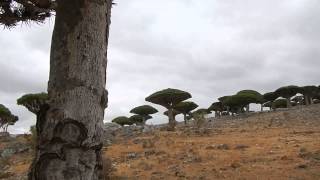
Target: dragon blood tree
<point x="6" y="118"/>
<point x="185" y="108"/>
<point x="138" y="119"/>
<point x="217" y="107"/>
<point x="35" y="103"/>
<point x="122" y="120"/>
<point x="71" y="130"/>
<point x="169" y="98"/>
<point x="288" y="92"/>
<point x="252" y="97"/>
<point x="144" y="111"/>
<point x="238" y="102"/>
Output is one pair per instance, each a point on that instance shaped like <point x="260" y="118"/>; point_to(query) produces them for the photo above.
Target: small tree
<point x="144" y="111"/>
<point x="6" y="118"/>
<point x="287" y="92"/>
<point x="310" y="92"/>
<point x="185" y="108"/>
<point x="122" y="120"/>
<point x="199" y="117"/>
<point x="169" y="98"/>
<point x="33" y="102"/>
<point x="139" y="120"/>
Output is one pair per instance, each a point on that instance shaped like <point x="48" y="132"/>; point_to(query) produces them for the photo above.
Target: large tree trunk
<point x="70" y="128"/>
<point x="172" y="121"/>
<point x="185" y="119"/>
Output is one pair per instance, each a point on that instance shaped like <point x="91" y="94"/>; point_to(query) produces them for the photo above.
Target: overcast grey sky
<point x="210" y="48"/>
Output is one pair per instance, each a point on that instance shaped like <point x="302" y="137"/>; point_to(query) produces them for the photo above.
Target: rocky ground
<point x="271" y="145"/>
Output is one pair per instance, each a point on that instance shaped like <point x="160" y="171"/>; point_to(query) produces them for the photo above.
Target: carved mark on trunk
<point x="71" y="131"/>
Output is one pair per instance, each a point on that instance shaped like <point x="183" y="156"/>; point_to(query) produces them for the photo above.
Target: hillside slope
<point x="271" y="145"/>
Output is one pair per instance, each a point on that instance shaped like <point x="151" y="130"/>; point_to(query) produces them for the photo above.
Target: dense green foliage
<point x="218" y="108"/>
<point x="28" y="98"/>
<point x="239" y="101"/>
<point x="288" y="91"/>
<point x="270" y="96"/>
<point x="258" y="98"/>
<point x="280" y="103"/>
<point x="144" y="110"/>
<point x="168" y="97"/>
<point x="136" y="119"/>
<point x="223" y="98"/>
<point x="33" y="102"/>
<point x="185" y="107"/>
<point x="122" y="120"/>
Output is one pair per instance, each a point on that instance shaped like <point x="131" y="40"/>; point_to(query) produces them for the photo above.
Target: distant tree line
<point x="176" y="102"/>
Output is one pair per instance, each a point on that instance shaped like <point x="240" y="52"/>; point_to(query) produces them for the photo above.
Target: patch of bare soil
<point x="245" y="152"/>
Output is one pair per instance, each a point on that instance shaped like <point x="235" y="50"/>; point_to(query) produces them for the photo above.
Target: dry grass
<point x="271" y="153"/>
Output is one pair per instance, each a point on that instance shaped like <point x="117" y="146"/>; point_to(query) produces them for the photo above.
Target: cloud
<point x="210" y="48"/>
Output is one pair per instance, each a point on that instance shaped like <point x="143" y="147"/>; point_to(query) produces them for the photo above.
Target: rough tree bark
<point x="70" y="127"/>
<point x="185" y="118"/>
<point x="172" y="121"/>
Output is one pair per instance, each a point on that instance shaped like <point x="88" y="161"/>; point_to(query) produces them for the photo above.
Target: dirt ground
<point x="243" y="153"/>
<point x="277" y="147"/>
